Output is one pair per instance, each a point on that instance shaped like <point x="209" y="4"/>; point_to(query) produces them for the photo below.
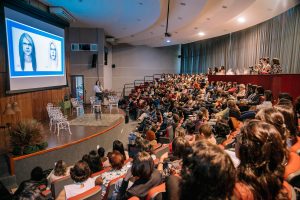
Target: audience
<point x="207" y="173"/>
<point x="80" y="174"/>
<point x="118" y="146"/>
<point x="29" y="189"/>
<point x="260" y="173"/>
<point x="145" y="177"/>
<point x="60" y="170"/>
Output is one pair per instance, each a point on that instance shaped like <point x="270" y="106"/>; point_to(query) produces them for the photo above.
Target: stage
<point x="277" y="83"/>
<point x="86" y="135"/>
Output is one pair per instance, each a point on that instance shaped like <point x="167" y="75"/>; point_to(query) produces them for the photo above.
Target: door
<point x="77" y="87"/>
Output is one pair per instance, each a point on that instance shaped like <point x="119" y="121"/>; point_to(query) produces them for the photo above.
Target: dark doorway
<point x="77" y="87"/>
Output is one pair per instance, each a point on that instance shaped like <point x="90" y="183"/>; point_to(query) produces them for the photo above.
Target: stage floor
<point x="79" y="132"/>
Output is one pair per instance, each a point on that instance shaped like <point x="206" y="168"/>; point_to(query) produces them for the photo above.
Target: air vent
<point x="84" y="47"/>
<point x="62" y="13"/>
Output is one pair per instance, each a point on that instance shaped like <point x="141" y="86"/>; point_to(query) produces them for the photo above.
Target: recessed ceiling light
<point x="138" y="19"/>
<point x="241" y="19"/>
<point x="141" y="3"/>
<point x="168" y="41"/>
<point x="179" y="18"/>
<point x="208" y="19"/>
<point x="224" y="6"/>
<point x="132" y="36"/>
<point x="182" y="3"/>
<point x="201" y="34"/>
<point x="195" y="28"/>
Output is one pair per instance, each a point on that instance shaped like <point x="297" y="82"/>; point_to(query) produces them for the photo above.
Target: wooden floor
<point x="78" y="132"/>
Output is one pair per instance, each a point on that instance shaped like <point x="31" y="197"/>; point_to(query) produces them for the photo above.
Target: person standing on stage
<point x="98" y="89"/>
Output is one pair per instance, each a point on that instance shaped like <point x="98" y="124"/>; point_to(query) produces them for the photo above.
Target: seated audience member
<point x="4" y="193"/>
<point x="150" y="136"/>
<point x="80" y="174"/>
<point x="242" y="91"/>
<point x="29" y="189"/>
<point x="170" y="164"/>
<point x="190" y="132"/>
<point x="293" y="141"/>
<point x="118" y="146"/>
<point x="103" y="159"/>
<point x="118" y="169"/>
<point x="95" y="164"/>
<point x="145" y="177"/>
<point x="144" y="145"/>
<point x="207" y="173"/>
<point x="267" y="103"/>
<point x="276" y="118"/>
<point x="284" y="95"/>
<point x="60" y="170"/>
<point x="260" y="173"/>
<point x="254" y="99"/>
<point x="205" y="132"/>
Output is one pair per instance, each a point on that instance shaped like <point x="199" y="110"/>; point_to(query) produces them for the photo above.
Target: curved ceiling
<point x="142" y="22"/>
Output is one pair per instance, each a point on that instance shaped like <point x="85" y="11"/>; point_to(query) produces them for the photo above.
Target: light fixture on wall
<point x="167" y="34"/>
<point x="16" y="107"/>
<point x="8" y="110"/>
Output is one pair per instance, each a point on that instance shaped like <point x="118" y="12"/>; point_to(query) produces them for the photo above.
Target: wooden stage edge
<point x="68" y="151"/>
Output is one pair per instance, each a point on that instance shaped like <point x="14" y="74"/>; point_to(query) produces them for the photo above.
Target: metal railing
<point x="129" y="86"/>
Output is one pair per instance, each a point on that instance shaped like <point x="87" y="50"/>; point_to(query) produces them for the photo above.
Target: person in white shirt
<point x="80" y="174"/>
<point x="98" y="89"/>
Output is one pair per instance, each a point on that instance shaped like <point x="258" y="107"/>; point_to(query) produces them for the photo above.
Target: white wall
<point x="135" y="62"/>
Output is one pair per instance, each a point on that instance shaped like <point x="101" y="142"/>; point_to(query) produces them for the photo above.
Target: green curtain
<point x="278" y="37"/>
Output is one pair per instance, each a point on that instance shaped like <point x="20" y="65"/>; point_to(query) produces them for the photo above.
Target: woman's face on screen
<point x="27" y="47"/>
<point x="52" y="52"/>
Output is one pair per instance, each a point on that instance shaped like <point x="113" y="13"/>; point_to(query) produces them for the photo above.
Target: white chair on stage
<point x="57" y="119"/>
<point x="113" y="102"/>
<point x="95" y="104"/>
<point x="77" y="106"/>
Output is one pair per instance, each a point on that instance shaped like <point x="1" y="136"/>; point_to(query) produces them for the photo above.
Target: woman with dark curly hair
<point x="207" y="173"/>
<point x="260" y="173"/>
<point x="283" y="123"/>
<point x="60" y="170"/>
<point x="80" y="174"/>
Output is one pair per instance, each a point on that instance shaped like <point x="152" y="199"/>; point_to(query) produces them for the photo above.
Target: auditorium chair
<point x="91" y="194"/>
<point x="134" y="198"/>
<point x="294" y="179"/>
<point x="58" y="185"/>
<point x="111" y="186"/>
<point x="161" y="150"/>
<point x="100" y="172"/>
<point x="169" y="136"/>
<point x="156" y="192"/>
<point x="76" y="106"/>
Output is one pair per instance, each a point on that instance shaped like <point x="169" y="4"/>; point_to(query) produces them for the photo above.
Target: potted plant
<point x="27" y="137"/>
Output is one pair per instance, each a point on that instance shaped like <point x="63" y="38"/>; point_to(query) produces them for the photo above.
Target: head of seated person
<point x="94" y="164"/>
<point x="116" y="160"/>
<point x="285" y="95"/>
<point x="142" y="166"/>
<point x="80" y="172"/>
<point x="205" y="132"/>
<point x="208" y="172"/>
<point x="118" y="146"/>
<point x="261" y="152"/>
<point x="180" y="148"/>
<point x="60" y="168"/>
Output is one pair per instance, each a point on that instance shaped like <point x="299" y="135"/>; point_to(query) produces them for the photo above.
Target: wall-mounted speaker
<point x="105" y="55"/>
<point x="94" y="60"/>
<point x="113" y="66"/>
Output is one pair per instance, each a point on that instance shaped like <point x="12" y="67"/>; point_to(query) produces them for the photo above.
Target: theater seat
<point x="58" y="185"/>
<point x="161" y="150"/>
<point x="101" y="172"/>
<point x="294" y="179"/>
<point x="155" y="191"/>
<point x="91" y="194"/>
<point x="111" y="186"/>
<point x="134" y="198"/>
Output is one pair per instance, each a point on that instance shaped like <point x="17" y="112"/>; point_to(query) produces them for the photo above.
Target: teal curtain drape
<point x="278" y="37"/>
